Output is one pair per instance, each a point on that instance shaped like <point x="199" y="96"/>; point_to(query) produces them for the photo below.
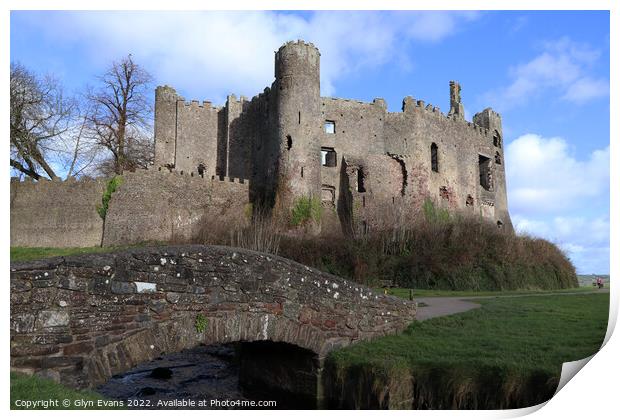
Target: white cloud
<point x="585" y="240"/>
<point x="554" y="195"/>
<point x="543" y="176"/>
<point x="586" y="89"/>
<point x="216" y="53"/>
<point x="562" y="67"/>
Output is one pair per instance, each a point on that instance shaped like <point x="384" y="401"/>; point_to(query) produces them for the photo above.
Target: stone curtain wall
<point x="82" y="319"/>
<point x="56" y="213"/>
<point x="163" y="206"/>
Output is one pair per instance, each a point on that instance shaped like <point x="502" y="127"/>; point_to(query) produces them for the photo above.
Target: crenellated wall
<point x="56" y="213"/>
<point x="163" y="206"/>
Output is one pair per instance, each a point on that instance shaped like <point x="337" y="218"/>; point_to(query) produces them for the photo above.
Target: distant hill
<point x="587" y="279"/>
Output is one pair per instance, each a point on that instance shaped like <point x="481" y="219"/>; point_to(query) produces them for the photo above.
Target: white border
<point x="591" y="394"/>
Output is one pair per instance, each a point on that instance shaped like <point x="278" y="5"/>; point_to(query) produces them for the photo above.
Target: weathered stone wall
<point x="82" y="319"/>
<point x="56" y="213"/>
<point x="196" y="134"/>
<point x="163" y="206"/>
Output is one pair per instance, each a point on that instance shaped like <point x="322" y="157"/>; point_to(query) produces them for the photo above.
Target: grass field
<point x="31" y="388"/>
<point x="27" y="254"/>
<point x="421" y="293"/>
<point x="508" y="353"/>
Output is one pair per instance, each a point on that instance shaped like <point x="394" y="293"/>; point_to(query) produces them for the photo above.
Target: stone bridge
<point x="82" y="319"/>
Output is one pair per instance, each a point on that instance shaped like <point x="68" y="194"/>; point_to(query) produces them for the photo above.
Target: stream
<point x="204" y="373"/>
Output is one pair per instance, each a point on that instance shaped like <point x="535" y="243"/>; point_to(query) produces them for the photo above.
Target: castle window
<point x="330" y="127"/>
<point x="497" y="139"/>
<point x="328" y="194"/>
<point x="434" y="158"/>
<point x="201" y="170"/>
<point x="289" y="142"/>
<point x="500" y="224"/>
<point x="328" y="157"/>
<point x="498" y="158"/>
<point x="484" y="167"/>
<point x="360" y="180"/>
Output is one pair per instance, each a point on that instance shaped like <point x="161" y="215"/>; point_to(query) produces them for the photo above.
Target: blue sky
<point x="546" y="72"/>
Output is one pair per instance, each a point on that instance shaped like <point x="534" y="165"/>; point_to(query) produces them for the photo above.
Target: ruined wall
<point x="394" y="149"/>
<point x="162" y="206"/>
<point x="56" y="213"/>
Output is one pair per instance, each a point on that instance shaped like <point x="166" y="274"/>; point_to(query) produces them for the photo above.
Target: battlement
<point x="194" y="104"/>
<point x="298" y="43"/>
<point x="29" y="183"/>
<point x="164" y="171"/>
<point x="410" y="104"/>
<point x="377" y="102"/>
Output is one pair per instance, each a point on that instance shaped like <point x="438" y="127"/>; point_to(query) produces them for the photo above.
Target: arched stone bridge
<point x="82" y="319"/>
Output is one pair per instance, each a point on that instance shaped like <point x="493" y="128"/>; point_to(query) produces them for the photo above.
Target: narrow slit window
<point x="289" y="142"/>
<point x="434" y="158"/>
<point x="360" y="180"/>
<point x="330" y="127"/>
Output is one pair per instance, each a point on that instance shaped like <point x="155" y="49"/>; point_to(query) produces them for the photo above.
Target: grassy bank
<point x="507" y="354"/>
<point x="421" y="293"/>
<point x="29" y="389"/>
<point x="26" y="254"/>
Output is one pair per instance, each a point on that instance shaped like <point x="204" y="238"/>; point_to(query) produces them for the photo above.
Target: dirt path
<point x="442" y="306"/>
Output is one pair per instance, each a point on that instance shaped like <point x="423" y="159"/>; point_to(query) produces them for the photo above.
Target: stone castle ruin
<point x="366" y="166"/>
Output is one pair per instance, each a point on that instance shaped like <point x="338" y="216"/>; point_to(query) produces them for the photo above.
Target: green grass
<point x="419" y="293"/>
<point x="508" y="353"/>
<point x="306" y="209"/>
<point x="27" y="254"/>
<point x="31" y="388"/>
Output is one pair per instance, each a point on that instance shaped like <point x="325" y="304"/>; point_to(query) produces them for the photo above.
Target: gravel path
<point x="443" y="306"/>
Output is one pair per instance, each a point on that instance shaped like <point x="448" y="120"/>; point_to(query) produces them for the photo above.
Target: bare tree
<point x="120" y="115"/>
<point x="40" y="114"/>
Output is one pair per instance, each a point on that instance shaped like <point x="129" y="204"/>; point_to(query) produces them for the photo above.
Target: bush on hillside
<point x="439" y="251"/>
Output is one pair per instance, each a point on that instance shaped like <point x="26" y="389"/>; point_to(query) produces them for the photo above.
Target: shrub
<point x="306" y="209"/>
<point x="201" y="323"/>
<point x="110" y="188"/>
<point x="452" y="253"/>
<point x="261" y="234"/>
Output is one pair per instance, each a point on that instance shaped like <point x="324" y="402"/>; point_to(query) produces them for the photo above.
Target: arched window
<point x="434" y="158"/>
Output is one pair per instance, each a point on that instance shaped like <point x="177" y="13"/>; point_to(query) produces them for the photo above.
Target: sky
<point x="546" y="72"/>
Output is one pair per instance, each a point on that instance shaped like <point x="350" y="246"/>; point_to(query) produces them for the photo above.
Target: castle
<point x="291" y="142"/>
<point x="367" y="166"/>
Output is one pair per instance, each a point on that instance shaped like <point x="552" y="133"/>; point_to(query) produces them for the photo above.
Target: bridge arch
<point x="82" y="319"/>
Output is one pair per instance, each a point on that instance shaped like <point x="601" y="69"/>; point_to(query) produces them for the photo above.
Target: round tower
<point x="297" y="85"/>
